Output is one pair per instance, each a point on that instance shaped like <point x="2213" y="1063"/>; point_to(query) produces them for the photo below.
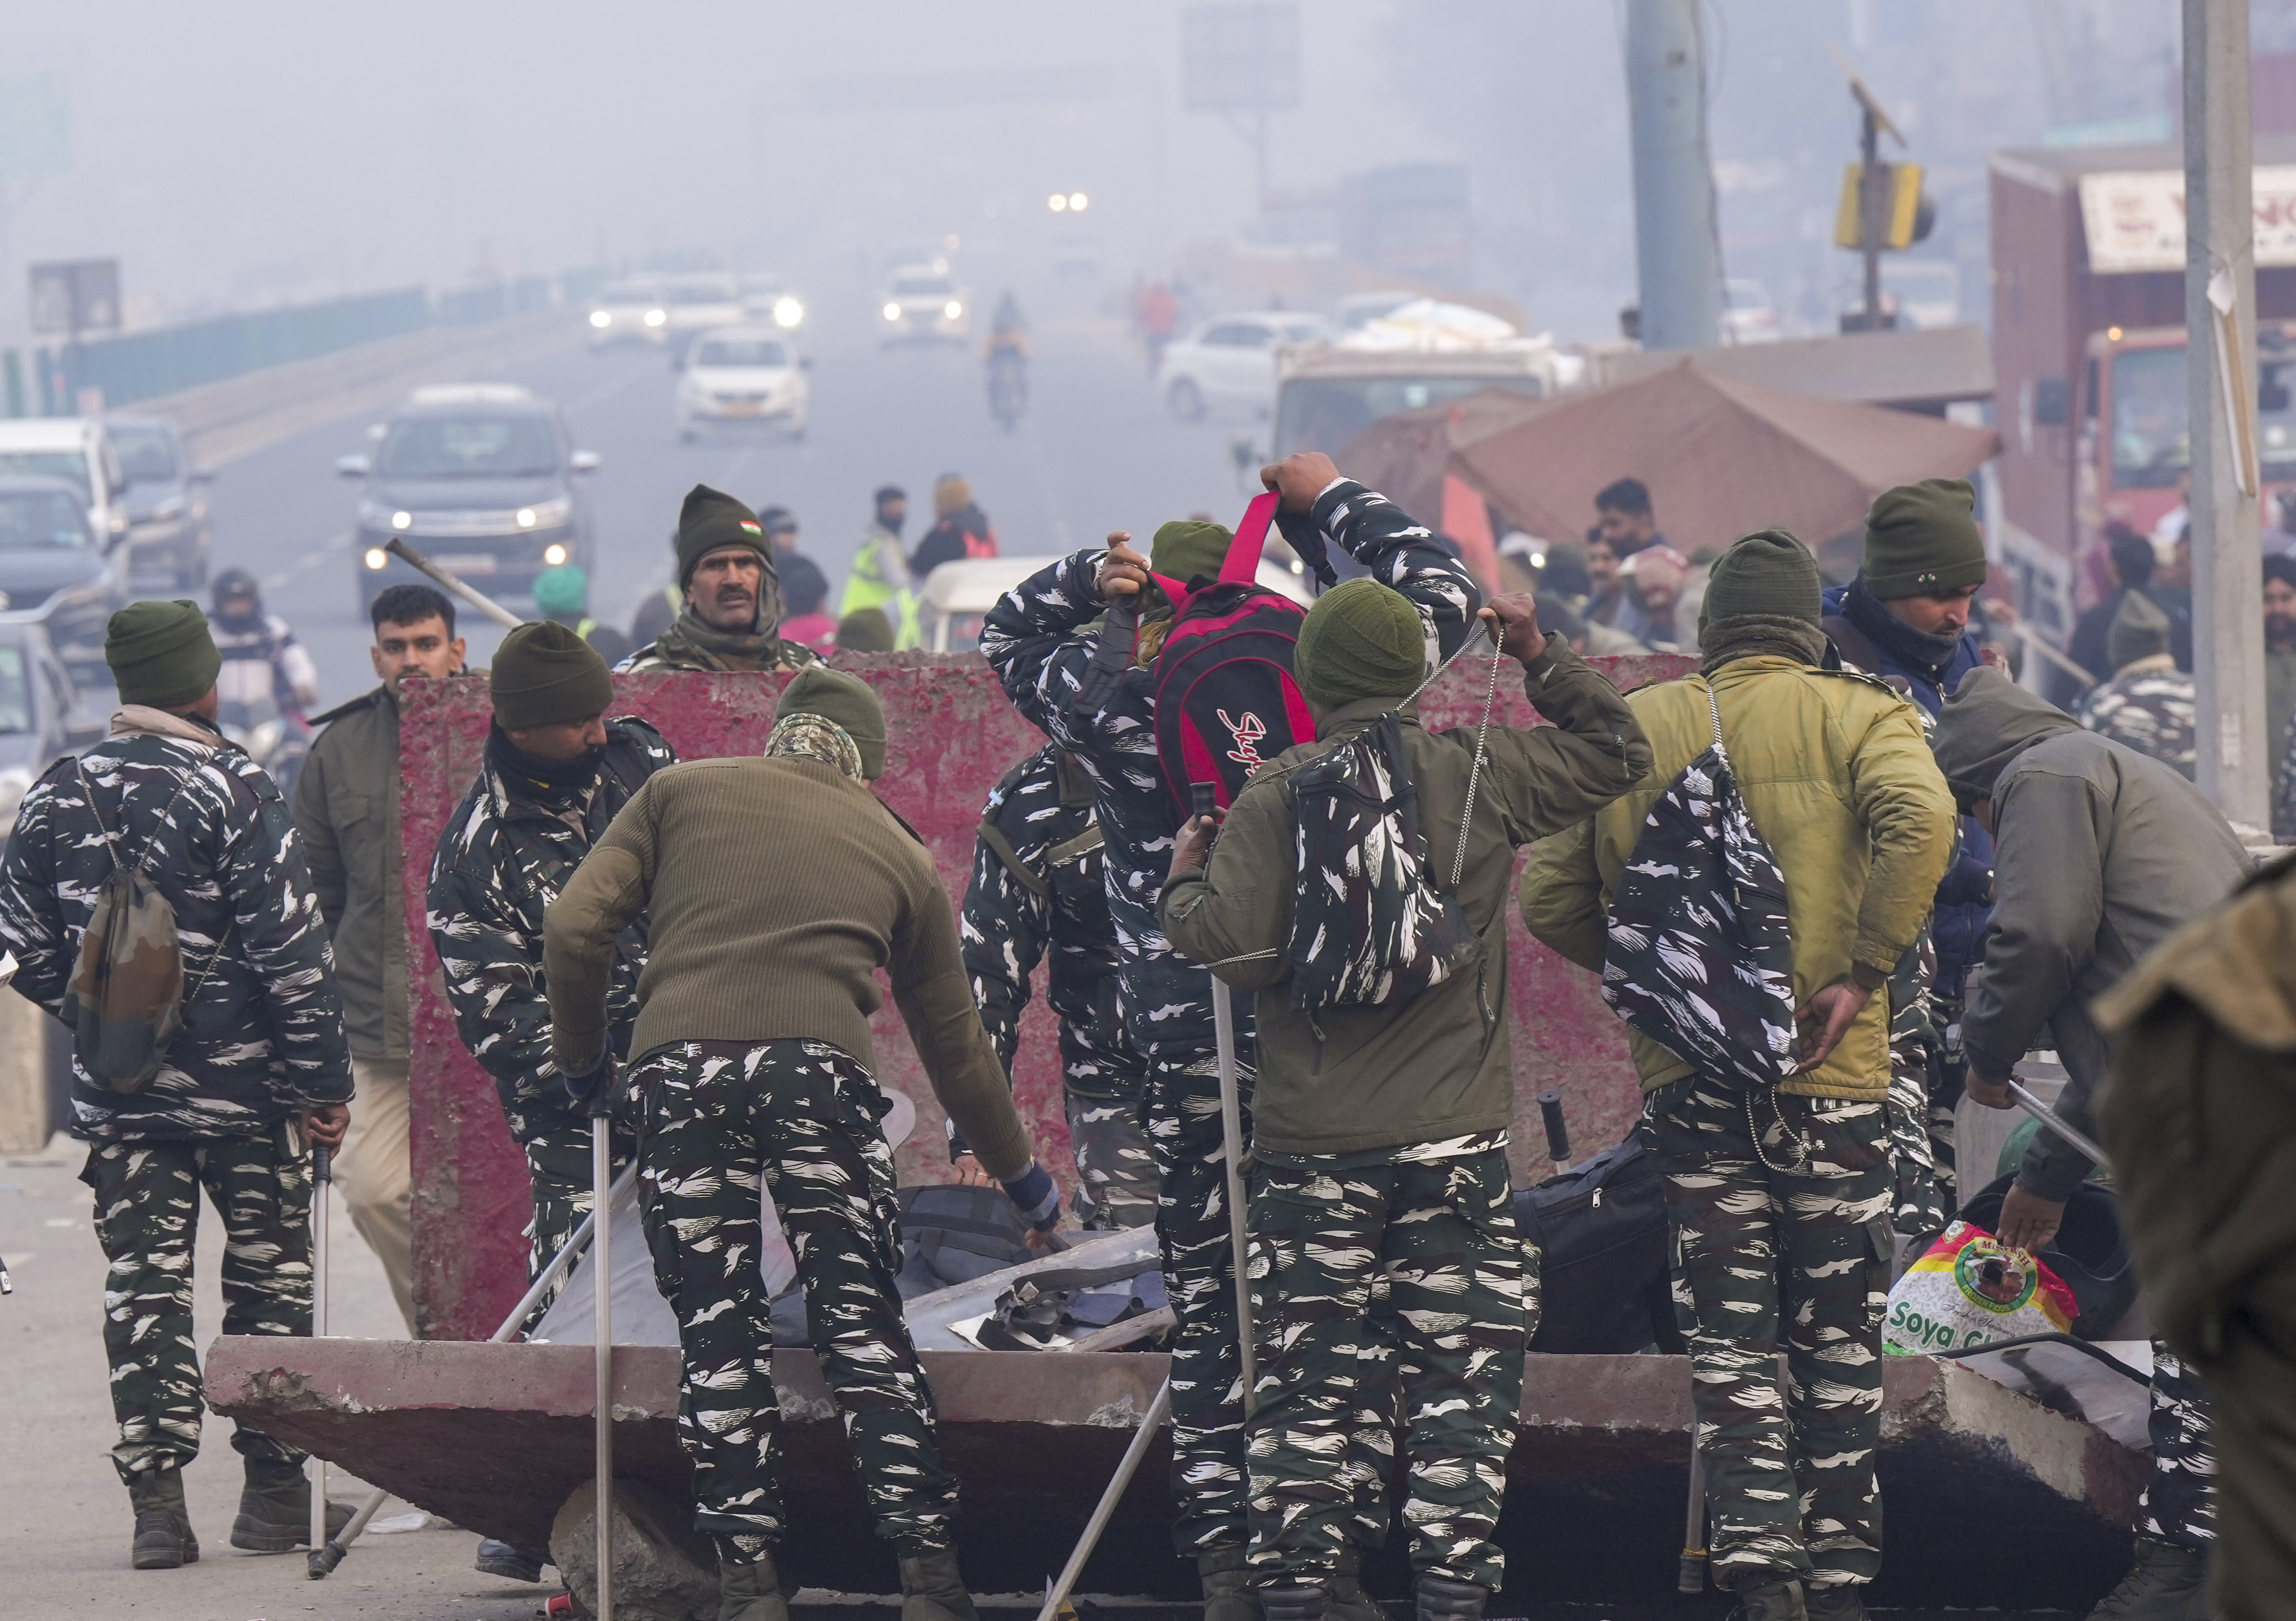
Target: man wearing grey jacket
<point x="2100" y="853"/>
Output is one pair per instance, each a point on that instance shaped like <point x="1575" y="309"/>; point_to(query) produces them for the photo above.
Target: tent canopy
<point x="1722" y="458"/>
<point x="1405" y="457"/>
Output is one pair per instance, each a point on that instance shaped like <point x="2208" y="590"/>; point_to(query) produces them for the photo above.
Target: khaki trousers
<point x="376" y="1176"/>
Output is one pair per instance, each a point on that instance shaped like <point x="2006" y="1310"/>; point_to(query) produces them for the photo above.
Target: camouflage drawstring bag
<point x="126" y="1001"/>
<point x="1700" y="958"/>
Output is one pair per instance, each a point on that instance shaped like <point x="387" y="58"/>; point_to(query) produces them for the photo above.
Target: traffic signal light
<point x="1906" y="214"/>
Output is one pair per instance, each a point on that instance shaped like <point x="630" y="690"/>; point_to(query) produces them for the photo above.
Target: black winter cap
<point x="712" y="519"/>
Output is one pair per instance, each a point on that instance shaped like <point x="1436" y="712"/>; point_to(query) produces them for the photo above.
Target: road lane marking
<point x="308" y="560"/>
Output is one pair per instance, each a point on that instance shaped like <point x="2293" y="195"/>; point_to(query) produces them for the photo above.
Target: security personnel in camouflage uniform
<point x="731" y="618"/>
<point x="1380" y="1132"/>
<point x="261" y="1046"/>
<point x="556" y="774"/>
<point x="1038" y="641"/>
<point x="1776" y="1195"/>
<point x="2149" y="704"/>
<point x="776" y="887"/>
<point x="1037" y="886"/>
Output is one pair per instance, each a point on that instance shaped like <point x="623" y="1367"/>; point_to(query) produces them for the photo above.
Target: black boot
<point x="275" y="1509"/>
<point x="933" y="1590"/>
<point x="1295" y="1601"/>
<point x="1441" y="1600"/>
<point x="1227" y="1585"/>
<point x="1349" y="1603"/>
<point x="1843" y="1601"/>
<point x="1770" y="1599"/>
<point x="752" y="1592"/>
<point x="500" y="1559"/>
<point x="163" y="1526"/>
<point x="2168" y="1583"/>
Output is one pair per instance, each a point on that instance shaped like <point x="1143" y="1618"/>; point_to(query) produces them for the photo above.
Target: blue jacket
<point x="1881" y="646"/>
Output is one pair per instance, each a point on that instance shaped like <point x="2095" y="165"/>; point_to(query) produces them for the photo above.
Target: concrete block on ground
<point x="664" y="1569"/>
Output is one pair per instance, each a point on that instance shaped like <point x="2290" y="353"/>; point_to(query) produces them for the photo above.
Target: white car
<point x="1229" y="362"/>
<point x="740" y="375"/>
<point x="75" y="448"/>
<point x="1748" y="316"/>
<point x="923" y="303"/>
<point x="632" y="310"/>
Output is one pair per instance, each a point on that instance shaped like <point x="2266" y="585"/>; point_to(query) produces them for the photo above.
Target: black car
<point x="167" y="527"/>
<point x="481" y="478"/>
<point x="52" y="573"/>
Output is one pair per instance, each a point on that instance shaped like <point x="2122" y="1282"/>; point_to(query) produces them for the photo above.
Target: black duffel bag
<point x="1601" y="1229"/>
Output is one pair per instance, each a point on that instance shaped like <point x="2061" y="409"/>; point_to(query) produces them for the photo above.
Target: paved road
<point x="1097" y="452"/>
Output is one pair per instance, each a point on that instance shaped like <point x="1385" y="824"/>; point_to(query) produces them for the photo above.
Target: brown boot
<point x="275" y="1509"/>
<point x="163" y="1526"/>
<point x="932" y="1589"/>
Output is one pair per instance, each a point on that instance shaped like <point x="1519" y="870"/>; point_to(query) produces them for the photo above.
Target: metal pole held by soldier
<point x="488" y="605"/>
<point x="323" y="1176"/>
<point x="601" y="1274"/>
<point x="1202" y="802"/>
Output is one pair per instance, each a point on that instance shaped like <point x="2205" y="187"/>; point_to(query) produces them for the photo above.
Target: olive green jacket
<point x="347" y="815"/>
<point x="1841" y="783"/>
<point x="1438" y="1066"/>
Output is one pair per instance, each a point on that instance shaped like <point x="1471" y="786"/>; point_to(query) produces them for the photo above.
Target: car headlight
<point x="376" y="558"/>
<point x="553" y="555"/>
<point x="546" y="514"/>
<point x="789" y="312"/>
<point x="952" y="309"/>
<point x="402" y="521"/>
<point x="892" y="312"/>
<point x="656" y="317"/>
<point x="119" y="523"/>
<point x="600" y="318"/>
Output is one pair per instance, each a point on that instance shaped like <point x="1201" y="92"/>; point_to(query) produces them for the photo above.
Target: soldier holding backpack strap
<point x="1744" y="905"/>
<point x="1359" y="887"/>
<point x="155" y="894"/>
<point x="1202" y="691"/>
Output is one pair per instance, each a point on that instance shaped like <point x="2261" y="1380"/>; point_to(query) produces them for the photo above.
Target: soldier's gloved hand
<point x="581" y="1086"/>
<point x="1037" y="1197"/>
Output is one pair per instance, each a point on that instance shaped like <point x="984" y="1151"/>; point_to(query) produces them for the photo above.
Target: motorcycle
<point x="1008" y="385"/>
<point x="277" y="739"/>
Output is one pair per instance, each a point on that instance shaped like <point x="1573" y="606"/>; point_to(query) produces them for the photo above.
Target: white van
<point x="78" y="448"/>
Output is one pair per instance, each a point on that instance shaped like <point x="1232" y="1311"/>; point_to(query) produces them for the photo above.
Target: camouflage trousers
<point x="1192" y="1231"/>
<point x="803" y="1117"/>
<point x="2179" y="1504"/>
<point x="1763" y="1255"/>
<point x="147" y="1214"/>
<point x="1116" y="1169"/>
<point x="558" y="1168"/>
<point x="1330" y="1236"/>
<point x="1922" y="1096"/>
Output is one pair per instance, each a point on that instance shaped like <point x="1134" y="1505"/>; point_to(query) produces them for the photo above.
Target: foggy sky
<point x="250" y="152"/>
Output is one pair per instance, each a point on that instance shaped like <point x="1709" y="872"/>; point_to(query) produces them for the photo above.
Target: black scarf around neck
<point x="1924" y="652"/>
<point x="554" y="784"/>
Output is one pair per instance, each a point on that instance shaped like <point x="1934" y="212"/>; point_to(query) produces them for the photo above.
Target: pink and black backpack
<point x="1226" y="696"/>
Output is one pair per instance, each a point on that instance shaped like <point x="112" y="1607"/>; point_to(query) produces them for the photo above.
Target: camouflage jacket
<point x="2153" y="710"/>
<point x="263" y="1019"/>
<point x="688" y="644"/>
<point x="1035" y="640"/>
<point x="1037" y="887"/>
<point x="503" y="859"/>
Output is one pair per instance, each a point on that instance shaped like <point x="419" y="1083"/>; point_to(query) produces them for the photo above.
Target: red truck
<point x="2088" y="352"/>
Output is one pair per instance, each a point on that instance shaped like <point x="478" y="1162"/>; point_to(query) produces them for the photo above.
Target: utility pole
<point x="1676" y="246"/>
<point x="2236" y="759"/>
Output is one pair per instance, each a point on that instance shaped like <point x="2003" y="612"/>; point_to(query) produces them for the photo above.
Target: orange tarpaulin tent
<point x="1721" y="456"/>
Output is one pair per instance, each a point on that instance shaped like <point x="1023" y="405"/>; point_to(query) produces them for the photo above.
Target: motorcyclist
<point x="262" y="660"/>
<point x="1008" y="331"/>
<point x="1006" y="357"/>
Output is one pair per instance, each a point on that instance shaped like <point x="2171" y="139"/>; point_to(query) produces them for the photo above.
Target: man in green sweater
<point x="1379" y="1129"/>
<point x="775" y="885"/>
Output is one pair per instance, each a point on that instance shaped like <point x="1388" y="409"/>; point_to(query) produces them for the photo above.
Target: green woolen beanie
<point x="1361" y="640"/>
<point x="545" y="675"/>
<point x="1767" y="573"/>
<point x="709" y="519"/>
<point x="844" y="697"/>
<point x="564" y="590"/>
<point x="160" y="653"/>
<point x="1186" y="547"/>
<point x="866" y="631"/>
<point x="1923" y="537"/>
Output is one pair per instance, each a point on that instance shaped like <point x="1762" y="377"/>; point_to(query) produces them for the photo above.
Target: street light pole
<point x="2236" y="759"/>
<point x="1676" y="249"/>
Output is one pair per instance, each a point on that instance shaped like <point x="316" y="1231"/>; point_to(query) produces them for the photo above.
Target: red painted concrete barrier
<point x="950" y="736"/>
